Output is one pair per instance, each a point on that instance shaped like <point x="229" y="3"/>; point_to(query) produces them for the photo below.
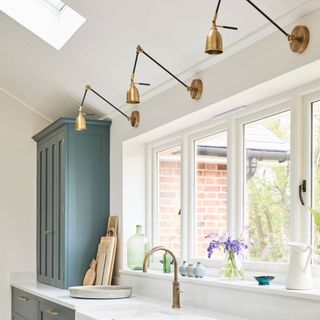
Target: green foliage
<point x="269" y="205"/>
<point x="316" y="217"/>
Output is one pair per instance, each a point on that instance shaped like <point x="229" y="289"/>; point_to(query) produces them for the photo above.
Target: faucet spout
<point x="175" y="284"/>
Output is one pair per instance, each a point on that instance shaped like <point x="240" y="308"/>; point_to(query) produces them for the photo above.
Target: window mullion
<point x="186" y="220"/>
<point x="300" y="168"/>
<point x="235" y="168"/>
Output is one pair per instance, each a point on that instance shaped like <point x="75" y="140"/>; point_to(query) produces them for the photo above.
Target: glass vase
<point x="233" y="267"/>
<point x="138" y="246"/>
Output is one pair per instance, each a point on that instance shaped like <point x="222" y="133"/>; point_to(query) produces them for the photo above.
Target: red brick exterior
<point x="211" y="204"/>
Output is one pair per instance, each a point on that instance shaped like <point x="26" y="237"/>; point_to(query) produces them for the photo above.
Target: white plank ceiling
<point x="102" y="52"/>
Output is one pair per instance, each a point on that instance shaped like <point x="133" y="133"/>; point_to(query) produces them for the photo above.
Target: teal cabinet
<point x="72" y="199"/>
<point x="26" y="306"/>
<point x="48" y="310"/>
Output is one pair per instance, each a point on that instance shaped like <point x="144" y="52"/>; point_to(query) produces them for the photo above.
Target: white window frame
<point x="152" y="219"/>
<point x="298" y="104"/>
<point x="309" y="228"/>
<point x="192" y="185"/>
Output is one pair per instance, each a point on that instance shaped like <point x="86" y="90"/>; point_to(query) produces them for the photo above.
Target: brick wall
<point x="211" y="203"/>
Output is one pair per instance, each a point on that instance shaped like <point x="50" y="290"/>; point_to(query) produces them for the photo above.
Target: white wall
<point x="17" y="193"/>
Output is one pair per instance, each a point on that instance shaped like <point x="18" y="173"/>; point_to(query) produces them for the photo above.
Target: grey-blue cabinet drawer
<point x="17" y="317"/>
<point x="51" y="311"/>
<point x="24" y="304"/>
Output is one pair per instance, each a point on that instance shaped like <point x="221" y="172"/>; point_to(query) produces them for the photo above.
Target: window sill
<point x="242" y="285"/>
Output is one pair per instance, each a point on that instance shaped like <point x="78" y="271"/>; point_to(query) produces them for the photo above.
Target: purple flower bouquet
<point x="232" y="249"/>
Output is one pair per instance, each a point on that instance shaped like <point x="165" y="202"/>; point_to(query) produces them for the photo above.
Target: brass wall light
<point x="81" y="123"/>
<point x="298" y="39"/>
<point x="214" y="43"/>
<point x="133" y="96"/>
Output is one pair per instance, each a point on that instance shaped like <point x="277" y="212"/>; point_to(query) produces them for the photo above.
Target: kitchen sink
<point x="143" y="311"/>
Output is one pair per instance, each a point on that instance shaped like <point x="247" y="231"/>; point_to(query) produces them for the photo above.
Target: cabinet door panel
<point x="17" y="317"/>
<point x="50" y="216"/>
<point x="24" y="305"/>
<point x="58" y="211"/>
<point x="42" y="254"/>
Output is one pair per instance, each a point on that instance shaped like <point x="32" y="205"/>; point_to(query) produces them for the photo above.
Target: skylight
<point x="51" y="20"/>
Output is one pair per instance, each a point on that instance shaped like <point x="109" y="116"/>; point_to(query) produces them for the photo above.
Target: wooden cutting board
<point x="100" y="268"/>
<point x="90" y="276"/>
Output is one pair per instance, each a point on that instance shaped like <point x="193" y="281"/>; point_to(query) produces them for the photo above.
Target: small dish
<point x="264" y="280"/>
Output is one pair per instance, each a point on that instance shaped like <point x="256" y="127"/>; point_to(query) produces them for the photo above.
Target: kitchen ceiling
<point x="102" y="52"/>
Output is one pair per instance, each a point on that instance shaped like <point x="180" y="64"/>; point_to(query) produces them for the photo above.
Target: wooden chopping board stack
<point x="101" y="268"/>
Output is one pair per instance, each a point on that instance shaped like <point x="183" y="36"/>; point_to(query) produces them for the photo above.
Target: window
<point x="168" y="198"/>
<point x="210" y="189"/>
<point x="240" y="175"/>
<point x="267" y="187"/>
<point x="51" y="20"/>
<point x="316" y="171"/>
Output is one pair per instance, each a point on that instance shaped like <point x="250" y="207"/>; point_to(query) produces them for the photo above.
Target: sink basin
<point x="143" y="312"/>
<point x="101" y="292"/>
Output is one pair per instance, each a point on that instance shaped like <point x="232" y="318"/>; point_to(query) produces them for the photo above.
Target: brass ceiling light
<point x="214" y="43"/>
<point x="81" y="124"/>
<point x="299" y="37"/>
<point x="133" y="96"/>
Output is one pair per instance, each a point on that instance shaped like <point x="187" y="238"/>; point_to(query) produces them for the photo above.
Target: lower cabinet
<point x="24" y="305"/>
<point x="29" y="307"/>
<point x="48" y="311"/>
<point x="17" y="317"/>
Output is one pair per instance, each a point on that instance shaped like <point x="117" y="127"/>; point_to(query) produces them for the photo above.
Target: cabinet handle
<point x="52" y="312"/>
<point x="22" y="299"/>
<point x="48" y="232"/>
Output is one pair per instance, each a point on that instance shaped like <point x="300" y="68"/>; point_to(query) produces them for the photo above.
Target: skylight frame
<point x="53" y="24"/>
<point x="56" y="4"/>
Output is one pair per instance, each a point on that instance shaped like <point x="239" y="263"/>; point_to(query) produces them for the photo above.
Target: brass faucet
<point x="175" y="284"/>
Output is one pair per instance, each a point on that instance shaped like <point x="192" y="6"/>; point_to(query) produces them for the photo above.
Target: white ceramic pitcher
<point x="299" y="272"/>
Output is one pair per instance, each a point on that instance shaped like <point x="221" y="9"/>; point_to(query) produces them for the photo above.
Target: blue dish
<point x="264" y="280"/>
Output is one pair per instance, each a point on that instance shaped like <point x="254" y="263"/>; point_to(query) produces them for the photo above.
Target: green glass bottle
<point x="137" y="247"/>
<point x="166" y="263"/>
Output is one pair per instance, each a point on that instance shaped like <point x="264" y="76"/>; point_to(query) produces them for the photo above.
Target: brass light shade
<point x="133" y="96"/>
<point x="214" y="44"/>
<point x="81" y="123"/>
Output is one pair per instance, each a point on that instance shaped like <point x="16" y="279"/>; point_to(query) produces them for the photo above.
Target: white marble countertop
<point x="136" y="307"/>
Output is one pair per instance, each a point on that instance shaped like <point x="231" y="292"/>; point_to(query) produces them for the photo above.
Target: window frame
<point x="271" y="111"/>
<point x="152" y="225"/>
<point x="299" y="105"/>
<point x="192" y="138"/>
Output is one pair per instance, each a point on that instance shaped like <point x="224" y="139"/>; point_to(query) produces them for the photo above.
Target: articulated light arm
<point x="139" y="49"/>
<point x="133" y="95"/>
<point x="299" y="37"/>
<point x="134" y="118"/>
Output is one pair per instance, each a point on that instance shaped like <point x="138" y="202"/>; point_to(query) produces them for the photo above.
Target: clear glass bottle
<point x="138" y="246"/>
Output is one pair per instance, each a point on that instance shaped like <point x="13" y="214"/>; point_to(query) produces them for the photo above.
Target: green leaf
<point x="316" y="215"/>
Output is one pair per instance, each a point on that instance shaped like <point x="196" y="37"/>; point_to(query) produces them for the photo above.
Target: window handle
<point x="302" y="188"/>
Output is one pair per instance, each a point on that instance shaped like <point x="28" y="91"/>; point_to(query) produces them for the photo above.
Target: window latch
<point x="302" y="188"/>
